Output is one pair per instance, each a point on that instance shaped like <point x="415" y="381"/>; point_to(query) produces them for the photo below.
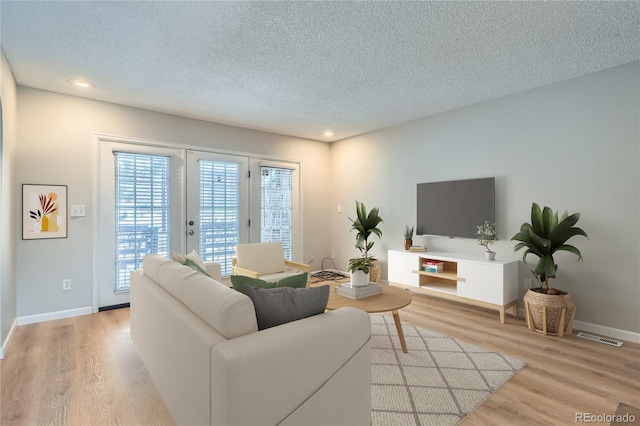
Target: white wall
<point x="572" y="146"/>
<point x="8" y="199"/>
<point x="55" y="133"/>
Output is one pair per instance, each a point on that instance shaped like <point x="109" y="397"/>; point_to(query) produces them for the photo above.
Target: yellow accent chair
<point x="265" y="261"/>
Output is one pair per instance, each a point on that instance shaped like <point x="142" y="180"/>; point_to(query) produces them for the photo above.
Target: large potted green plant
<point x="364" y="224"/>
<point x="548" y="310"/>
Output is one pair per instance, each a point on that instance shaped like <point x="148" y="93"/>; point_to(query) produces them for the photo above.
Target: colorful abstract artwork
<point x="44" y="211"/>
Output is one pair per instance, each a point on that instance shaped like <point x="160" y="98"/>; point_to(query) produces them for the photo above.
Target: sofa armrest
<point x="264" y="377"/>
<point x="214" y="269"/>
<point x="162" y="328"/>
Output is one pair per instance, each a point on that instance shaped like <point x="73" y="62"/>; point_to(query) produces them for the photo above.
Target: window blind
<point x="141" y="211"/>
<point x="219" y="212"/>
<point x="276" y="207"/>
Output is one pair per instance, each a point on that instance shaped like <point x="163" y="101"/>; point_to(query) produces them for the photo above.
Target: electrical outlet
<point x="66" y="284"/>
<point x="333" y="255"/>
<point x="528" y="282"/>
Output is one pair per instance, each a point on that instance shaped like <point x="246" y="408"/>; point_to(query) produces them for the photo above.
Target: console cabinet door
<point x="400" y="266"/>
<point x="482" y="282"/>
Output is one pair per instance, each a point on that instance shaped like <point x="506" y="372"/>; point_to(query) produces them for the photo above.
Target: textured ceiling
<point x="299" y="68"/>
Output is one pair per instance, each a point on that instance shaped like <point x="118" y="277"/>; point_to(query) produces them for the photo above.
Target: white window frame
<point x="296" y="231"/>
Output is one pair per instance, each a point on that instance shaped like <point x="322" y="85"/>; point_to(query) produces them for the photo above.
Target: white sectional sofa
<point x="200" y="342"/>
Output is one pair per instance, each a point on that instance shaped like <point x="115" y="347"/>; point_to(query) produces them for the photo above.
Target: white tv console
<point x="466" y="278"/>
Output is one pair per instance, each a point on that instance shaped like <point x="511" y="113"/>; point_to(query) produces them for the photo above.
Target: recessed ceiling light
<point x="81" y="83"/>
<point x="328" y="133"/>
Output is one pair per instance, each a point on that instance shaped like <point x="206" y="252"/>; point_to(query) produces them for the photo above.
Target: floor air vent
<point x="599" y="339"/>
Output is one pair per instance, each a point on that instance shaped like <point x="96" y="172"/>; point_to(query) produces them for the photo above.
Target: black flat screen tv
<point x="455" y="208"/>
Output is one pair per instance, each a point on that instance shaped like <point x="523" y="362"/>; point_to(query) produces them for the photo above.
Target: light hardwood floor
<point x="563" y="376"/>
<point x="86" y="371"/>
<point x="78" y="371"/>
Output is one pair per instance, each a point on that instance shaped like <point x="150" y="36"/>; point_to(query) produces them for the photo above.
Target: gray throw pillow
<point x="276" y="306"/>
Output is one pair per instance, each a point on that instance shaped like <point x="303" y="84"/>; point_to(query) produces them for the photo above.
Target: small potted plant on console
<point x="364" y="224"/>
<point x="408" y="237"/>
<point x="543" y="237"/>
<point x="487" y="235"/>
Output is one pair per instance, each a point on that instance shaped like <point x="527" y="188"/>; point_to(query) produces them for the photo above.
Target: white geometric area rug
<point x="440" y="381"/>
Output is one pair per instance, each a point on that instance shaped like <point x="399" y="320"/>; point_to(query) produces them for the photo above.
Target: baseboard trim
<point x="601" y="330"/>
<point x="5" y="344"/>
<point x="50" y="316"/>
<point x="605" y="331"/>
<point x="112" y="307"/>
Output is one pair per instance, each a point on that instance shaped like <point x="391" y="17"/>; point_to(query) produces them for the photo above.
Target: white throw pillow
<point x="193" y="256"/>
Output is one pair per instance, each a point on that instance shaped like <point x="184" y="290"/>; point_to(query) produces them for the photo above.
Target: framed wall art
<point x="44" y="211"/>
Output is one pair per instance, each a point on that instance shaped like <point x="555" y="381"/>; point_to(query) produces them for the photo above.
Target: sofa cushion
<point x="295" y="281"/>
<point x="229" y="312"/>
<point x="275" y="306"/>
<point x="167" y="273"/>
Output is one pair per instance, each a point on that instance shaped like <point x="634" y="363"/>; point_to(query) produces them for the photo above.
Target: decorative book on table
<point x="347" y="290"/>
<point x="418" y="248"/>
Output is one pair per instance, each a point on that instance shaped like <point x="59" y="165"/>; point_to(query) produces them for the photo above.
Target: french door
<point x="139" y="211"/>
<point x="232" y="199"/>
<point x="217" y="205"/>
<point x="157" y="200"/>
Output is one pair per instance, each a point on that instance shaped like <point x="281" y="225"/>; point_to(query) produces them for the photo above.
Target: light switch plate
<point x="77" y="210"/>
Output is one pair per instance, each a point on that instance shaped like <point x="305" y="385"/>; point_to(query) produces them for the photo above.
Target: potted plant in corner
<point x="486" y="234"/>
<point x="364" y="224"/>
<point x="408" y="237"/>
<point x="543" y="237"/>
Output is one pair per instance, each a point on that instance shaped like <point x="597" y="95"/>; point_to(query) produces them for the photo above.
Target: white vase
<point x="490" y="255"/>
<point x="359" y="279"/>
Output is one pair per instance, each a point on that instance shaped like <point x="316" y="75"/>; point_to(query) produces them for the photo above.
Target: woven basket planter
<point x="549" y="314"/>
